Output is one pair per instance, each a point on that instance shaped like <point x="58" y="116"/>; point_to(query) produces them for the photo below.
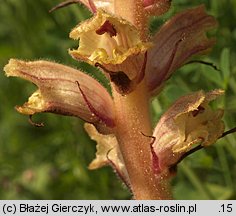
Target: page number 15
<point x="226" y="208"/>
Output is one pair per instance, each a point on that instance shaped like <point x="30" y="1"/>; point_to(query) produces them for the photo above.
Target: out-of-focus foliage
<point x="51" y="162"/>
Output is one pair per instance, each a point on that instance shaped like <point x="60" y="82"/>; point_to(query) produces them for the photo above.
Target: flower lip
<point x="122" y="82"/>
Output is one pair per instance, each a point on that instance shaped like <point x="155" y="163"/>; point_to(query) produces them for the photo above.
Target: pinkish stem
<point x="133" y="120"/>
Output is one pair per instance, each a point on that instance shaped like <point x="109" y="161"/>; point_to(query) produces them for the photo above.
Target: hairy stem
<point x="133" y="120"/>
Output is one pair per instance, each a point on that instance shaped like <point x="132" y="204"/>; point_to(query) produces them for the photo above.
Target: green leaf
<point x="219" y="192"/>
<point x="225" y="65"/>
<point x="212" y="75"/>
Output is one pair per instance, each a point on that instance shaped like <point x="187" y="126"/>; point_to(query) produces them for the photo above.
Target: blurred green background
<point x="51" y="162"/>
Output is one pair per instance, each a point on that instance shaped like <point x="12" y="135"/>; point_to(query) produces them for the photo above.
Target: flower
<point x="59" y="92"/>
<point x="190" y="121"/>
<point x="177" y="41"/>
<point x="108" y="152"/>
<point x="115" y="45"/>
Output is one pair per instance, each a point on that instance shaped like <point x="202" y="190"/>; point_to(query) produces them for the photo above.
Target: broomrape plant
<point x="117" y="41"/>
